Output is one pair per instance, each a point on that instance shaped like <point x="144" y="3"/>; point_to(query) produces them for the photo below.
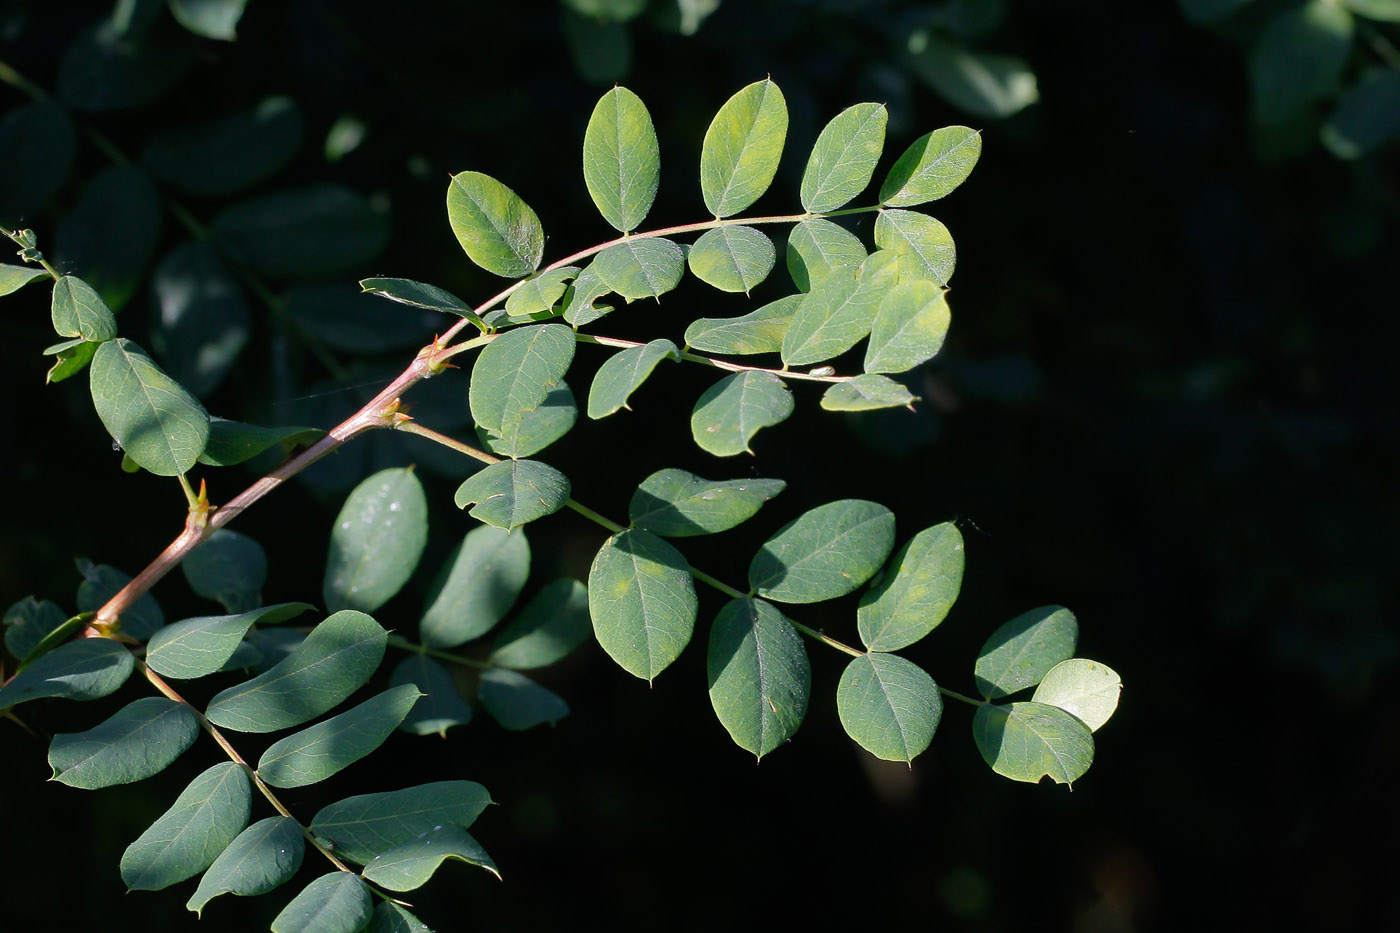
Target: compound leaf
<point x="187" y="838"/>
<point x="516" y="371"/>
<point x="376" y="541"/>
<point x="759" y="676"/>
<point x="621" y="159"/>
<point x="410" y="865"/>
<point x="824" y="553"/>
<point x="513" y="492"/>
<point x="677" y="504"/>
<point x="730" y="412"/>
<point x="742" y="147"/>
<point x="159" y="424"/>
<point x="1086" y="689"/>
<point x="909" y="327"/>
<point x="623" y="373"/>
<point x="923" y="243"/>
<point x="732" y="259"/>
<point x="476" y="587"/>
<point x="441" y="707"/>
<point x="1021" y="652"/>
<point x="517" y="702"/>
<point x="932" y="166"/>
<point x="86" y="669"/>
<point x="642" y="601"/>
<point x="140" y="740"/>
<point x="263" y="857"/>
<point x="200" y="646"/>
<point x="919" y="587"/>
<point x="337" y="902"/>
<point x="1028" y="741"/>
<point x="647" y="267"/>
<point x="844" y="157"/>
<point x="367" y="825"/>
<point x="498" y="231"/>
<point x="818" y="247"/>
<point x="867" y="392"/>
<point x="549" y="628"/>
<point x="889" y="706"/>
<point x="317" y="752"/>
<point x="334" y="661"/>
<point x="78" y="311"/>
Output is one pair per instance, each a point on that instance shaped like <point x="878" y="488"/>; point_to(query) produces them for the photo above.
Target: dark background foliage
<point x="1166" y="402"/>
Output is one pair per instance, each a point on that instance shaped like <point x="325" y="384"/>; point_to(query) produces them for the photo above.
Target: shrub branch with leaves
<point x="639" y="601"/>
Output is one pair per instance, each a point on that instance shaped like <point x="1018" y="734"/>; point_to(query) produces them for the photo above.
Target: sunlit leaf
<point x="732" y="258"/>
<point x="517" y="702"/>
<point x="540" y="292"/>
<point x="919" y="587"/>
<point x="1029" y="741"/>
<point x="818" y="247"/>
<point x="934" y="165"/>
<point x="263" y="857"/>
<point x="759" y="676"/>
<point x="479" y="582"/>
<point x="140" y="740"/>
<point x="645" y="267"/>
<point x="376" y="541"/>
<point x="229" y="154"/>
<point x="13" y="278"/>
<point x="580" y="300"/>
<point x="365" y="826"/>
<point x="838" y="314"/>
<point x="621" y="160"/>
<point x="319" y="751"/>
<point x="824" y="553"/>
<point x="73" y="357"/>
<point x="889" y="706"/>
<point x="196" y="647"/>
<point x="1087" y="689"/>
<point x="759" y="331"/>
<point x="186" y="839"/>
<point x="228" y="567"/>
<point x="334" y="661"/>
<point x="410" y="865"/>
<point x="338" y="902"/>
<point x="866" y="393"/>
<point x="233" y="442"/>
<point x="642" y="601"/>
<point x="86" y="669"/>
<point x="922" y="243"/>
<point x="441" y="707"/>
<point x="553" y="624"/>
<point x="417" y="295"/>
<point x="1021" y="652"/>
<point x="536" y="428"/>
<point x="78" y="311"/>
<point x="733" y="410"/>
<point x="844" y="157"/>
<point x="498" y="231"/>
<point x="675" y="504"/>
<point x="623" y="373"/>
<point x="909" y="327"/>
<point x="212" y="19"/>
<point x="982" y="83"/>
<point x="742" y="147"/>
<point x="515" y="372"/>
<point x="159" y="424"/>
<point x="513" y="492"/>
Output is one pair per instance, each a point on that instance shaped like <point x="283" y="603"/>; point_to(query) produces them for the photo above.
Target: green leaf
<point x="110" y="68"/>
<point x="200" y="646"/>
<point x="111" y="233"/>
<point x="642" y="601"/>
<point x="317" y="752"/>
<point x="623" y="373"/>
<point x="197" y="159"/>
<point x="758" y="331"/>
<point x="677" y="504"/>
<point x="740" y="154"/>
<point x="100" y="583"/>
<point x="342" y="318"/>
<point x="515" y="372"/>
<point x="365" y="826"/>
<point x="36" y="154"/>
<point x="410" y="865"/>
<point x="441" y="707"/>
<point x="56" y="636"/>
<point x="540" y="292"/>
<point x="477" y="586"/>
<point x="73" y="357"/>
<point x="732" y="259"/>
<point x="233" y="442"/>
<point x="187" y="838"/>
<point x="13" y="278"/>
<point x="1367" y="116"/>
<point x="1028" y="741"/>
<point x="866" y="393"/>
<point x="838" y="314"/>
<point x="816" y="248"/>
<point x="909" y="327"/>
<point x="548" y="629"/>
<point x="142" y="739"/>
<point x="391" y="918"/>
<point x="983" y="84"/>
<point x="334" y="661"/>
<point x="27" y="622"/>
<point x="321" y="231"/>
<point x="621" y="160"/>
<point x="86" y="669"/>
<point x="417" y="295"/>
<point x="580" y="299"/>
<point x="733" y="410"/>
<point x="1385" y="11"/>
<point x="537" y="428"/>
<point x="376" y="541"/>
<point x="262" y="858"/>
<point x="932" y="167"/>
<point x="1298" y="59"/>
<point x="1086" y="689"/>
<point x="844" y="157"/>
<point x="889" y="706"/>
<point x="203" y="321"/>
<point x="1021" y="652"/>
<point x="337" y="902"/>
<point x="228" y="567"/>
<point x="517" y="702"/>
<point x="212" y="19"/>
<point x="647" y="267"/>
<point x="159" y="424"/>
<point x="78" y="311"/>
<point x="917" y="590"/>
<point x="618" y="11"/>
<point x="513" y="492"/>
<point x="922" y="243"/>
<point x="759" y="676"/>
<point x="824" y="553"/>
<point x="498" y="231"/>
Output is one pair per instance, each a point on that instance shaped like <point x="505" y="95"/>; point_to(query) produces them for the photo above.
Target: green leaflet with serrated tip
<point x="540" y="292"/>
<point x="866" y="393"/>
<point x="919" y="587"/>
<point x="498" y="231"/>
<point x="729" y="413"/>
<point x="1021" y="652"/>
<point x="621" y="159"/>
<point x="645" y="267"/>
<point x="889" y="706"/>
<point x="78" y="311"/>
<point x="537" y="428"/>
<point x="824" y="553"/>
<point x="513" y="492"/>
<point x="376" y="541"/>
<point x="364" y="826"/>
<point x="922" y="242"/>
<point x="623" y="373"/>
<point x="759" y="331"/>
<point x="338" y="902"/>
<point x="909" y="328"/>
<point x="140" y="740"/>
<point x="818" y="247"/>
<point x="732" y="258"/>
<point x="932" y="166"/>
<point x="86" y="669"/>
<point x="159" y="424"/>
<point x="642" y="601"/>
<point x="260" y="859"/>
<point x="548" y="629"/>
<point x="187" y="838"/>
<point x="844" y="157"/>
<point x="478" y="584"/>
<point x="517" y="702"/>
<point x="742" y="148"/>
<point x="410" y="865"/>
<point x="1029" y="741"/>
<point x="334" y="661"/>
<point x="1086" y="689"/>
<point x="516" y="371"/>
<point x="759" y="677"/>
<point x="441" y="707"/>
<point x="674" y="503"/>
<point x="319" y="751"/>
